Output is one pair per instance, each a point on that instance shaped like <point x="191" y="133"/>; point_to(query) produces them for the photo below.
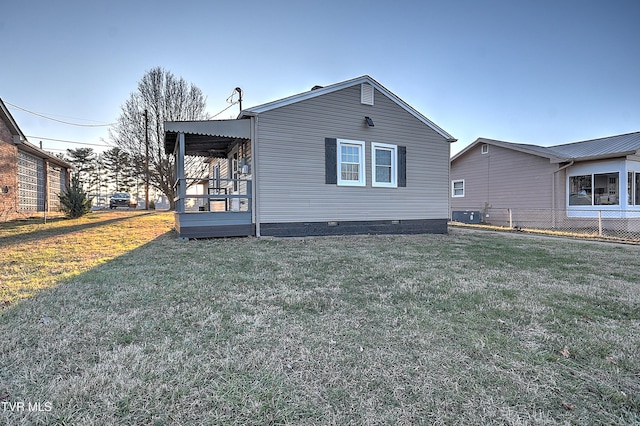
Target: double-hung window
<point x="457" y="188"/>
<point x="351" y="170"/>
<point x="384" y="165"/>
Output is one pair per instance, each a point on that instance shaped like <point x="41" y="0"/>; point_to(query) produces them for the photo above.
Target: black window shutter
<point x="402" y="166"/>
<point x="330" y="161"/>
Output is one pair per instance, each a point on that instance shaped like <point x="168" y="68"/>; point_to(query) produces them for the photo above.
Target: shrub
<point x="152" y="205"/>
<point x="74" y="201"/>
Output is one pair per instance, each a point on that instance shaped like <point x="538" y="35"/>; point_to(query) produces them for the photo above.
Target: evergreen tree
<point x="120" y="170"/>
<point x="74" y="201"/>
<point x="84" y="159"/>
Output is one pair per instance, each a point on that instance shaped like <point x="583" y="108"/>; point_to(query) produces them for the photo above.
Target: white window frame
<point x="394" y="164"/>
<point x="485" y="148"/>
<point x="453" y="188"/>
<point x="362" y="171"/>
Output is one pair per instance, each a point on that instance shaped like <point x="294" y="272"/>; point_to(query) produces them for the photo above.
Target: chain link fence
<point x="623" y="225"/>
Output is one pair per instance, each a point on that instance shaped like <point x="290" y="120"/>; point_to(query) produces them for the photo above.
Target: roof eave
<point x="253" y="111"/>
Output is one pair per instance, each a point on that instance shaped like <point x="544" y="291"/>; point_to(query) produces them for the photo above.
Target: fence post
<point x="510" y="218"/>
<point x="599" y="223"/>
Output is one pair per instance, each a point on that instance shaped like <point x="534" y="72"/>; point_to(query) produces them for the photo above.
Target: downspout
<point x="553" y="190"/>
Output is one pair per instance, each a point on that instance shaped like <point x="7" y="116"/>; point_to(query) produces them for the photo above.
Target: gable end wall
<point x="291" y="162"/>
<point x="504" y="178"/>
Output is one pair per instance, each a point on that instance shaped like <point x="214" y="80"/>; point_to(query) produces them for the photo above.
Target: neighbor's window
<point x="580" y="190"/>
<point x="485" y="148"/>
<point x="597" y="189"/>
<point x="633" y="188"/>
<point x="605" y="189"/>
<point x="457" y="188"/>
<point x="384" y="160"/>
<point x="351" y="163"/>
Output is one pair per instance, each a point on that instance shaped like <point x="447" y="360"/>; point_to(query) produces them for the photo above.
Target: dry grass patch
<point x="465" y="328"/>
<point x="39" y="255"/>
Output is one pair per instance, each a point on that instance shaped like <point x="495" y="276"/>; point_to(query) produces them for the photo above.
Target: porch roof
<point x="210" y="138"/>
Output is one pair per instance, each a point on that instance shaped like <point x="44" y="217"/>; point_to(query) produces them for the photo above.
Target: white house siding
<point x="505" y="178"/>
<point x="290" y="171"/>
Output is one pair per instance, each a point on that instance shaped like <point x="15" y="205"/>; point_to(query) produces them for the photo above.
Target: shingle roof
<point x="20" y="140"/>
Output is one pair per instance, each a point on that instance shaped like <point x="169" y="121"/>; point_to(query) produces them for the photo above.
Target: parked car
<point x="122" y="199"/>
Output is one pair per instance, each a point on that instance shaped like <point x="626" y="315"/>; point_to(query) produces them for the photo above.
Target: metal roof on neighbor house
<point x="594" y="149"/>
<point x="600" y="148"/>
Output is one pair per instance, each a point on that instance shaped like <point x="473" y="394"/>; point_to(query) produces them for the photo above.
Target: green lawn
<point x="466" y="328"/>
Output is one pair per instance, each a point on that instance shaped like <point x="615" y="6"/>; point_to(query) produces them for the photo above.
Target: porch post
<point x="182" y="190"/>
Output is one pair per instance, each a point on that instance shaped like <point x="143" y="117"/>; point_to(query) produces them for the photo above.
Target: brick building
<point x="30" y="178"/>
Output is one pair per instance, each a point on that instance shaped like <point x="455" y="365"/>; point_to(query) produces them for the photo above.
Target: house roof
<point x="612" y="146"/>
<point x="207" y="138"/>
<point x="593" y="149"/>
<point x="319" y="91"/>
<point x="20" y="140"/>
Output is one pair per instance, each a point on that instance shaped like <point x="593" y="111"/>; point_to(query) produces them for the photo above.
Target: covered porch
<point x="217" y="201"/>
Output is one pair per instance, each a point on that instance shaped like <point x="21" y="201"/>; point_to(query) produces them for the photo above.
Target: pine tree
<point x="74" y="201"/>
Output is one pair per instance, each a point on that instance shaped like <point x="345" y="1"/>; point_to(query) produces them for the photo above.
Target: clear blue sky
<point x="542" y="72"/>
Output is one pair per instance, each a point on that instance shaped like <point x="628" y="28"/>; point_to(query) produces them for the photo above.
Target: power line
<point x="66" y="141"/>
<point x="232" y="104"/>
<point x="55" y="119"/>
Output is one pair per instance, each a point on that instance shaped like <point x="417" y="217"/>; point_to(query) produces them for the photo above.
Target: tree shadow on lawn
<point x="69" y="329"/>
<point x="165" y="331"/>
<point x="58" y="230"/>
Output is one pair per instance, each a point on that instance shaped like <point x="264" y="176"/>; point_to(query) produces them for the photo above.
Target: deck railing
<point x="213" y="195"/>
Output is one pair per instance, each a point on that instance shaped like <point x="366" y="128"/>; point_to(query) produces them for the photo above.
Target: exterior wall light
<point x="369" y="121"/>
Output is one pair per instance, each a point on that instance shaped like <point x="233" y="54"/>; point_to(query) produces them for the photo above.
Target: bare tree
<point x="166" y="98"/>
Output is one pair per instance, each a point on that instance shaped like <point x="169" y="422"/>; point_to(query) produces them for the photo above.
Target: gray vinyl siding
<point x="290" y="172"/>
<point x="504" y="178"/>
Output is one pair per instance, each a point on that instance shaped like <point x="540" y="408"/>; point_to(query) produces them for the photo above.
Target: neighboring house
<point x="349" y="158"/>
<point x="580" y="179"/>
<point x="30" y="178"/>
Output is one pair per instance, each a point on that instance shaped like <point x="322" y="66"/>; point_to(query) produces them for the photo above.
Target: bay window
<point x="594" y="189"/>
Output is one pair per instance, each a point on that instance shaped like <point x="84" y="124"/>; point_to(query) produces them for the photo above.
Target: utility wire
<point x="55" y="119"/>
<point x="232" y="104"/>
<point x="66" y="141"/>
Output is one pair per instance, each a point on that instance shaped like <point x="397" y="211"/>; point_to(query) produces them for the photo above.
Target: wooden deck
<point x="214" y="224"/>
